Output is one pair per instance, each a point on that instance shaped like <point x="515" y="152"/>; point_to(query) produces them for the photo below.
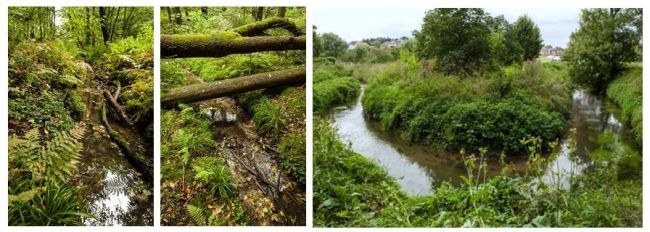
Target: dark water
<point x="419" y="169"/>
<point x="113" y="191"/>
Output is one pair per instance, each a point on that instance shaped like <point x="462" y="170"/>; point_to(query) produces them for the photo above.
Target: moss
<point x="76" y="105"/>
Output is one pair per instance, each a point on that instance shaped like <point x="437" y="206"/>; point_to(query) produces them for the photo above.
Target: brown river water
<point x="419" y="169"/>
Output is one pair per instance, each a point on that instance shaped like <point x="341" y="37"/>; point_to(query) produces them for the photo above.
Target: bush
<point x="334" y="91"/>
<point x="493" y="111"/>
<point x="498" y="125"/>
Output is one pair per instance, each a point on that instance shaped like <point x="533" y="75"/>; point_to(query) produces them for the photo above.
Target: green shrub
<point x="494" y="111"/>
<point x="334" y="91"/>
<point x="498" y="125"/>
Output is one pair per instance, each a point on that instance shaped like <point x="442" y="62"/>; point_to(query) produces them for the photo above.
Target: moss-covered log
<point x="133" y="158"/>
<point x="258" y="28"/>
<point x="229" y="87"/>
<point x="116" y="106"/>
<point x="182" y="46"/>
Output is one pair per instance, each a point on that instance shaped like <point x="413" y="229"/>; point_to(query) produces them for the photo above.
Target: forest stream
<point x="114" y="192"/>
<point x="419" y="169"/>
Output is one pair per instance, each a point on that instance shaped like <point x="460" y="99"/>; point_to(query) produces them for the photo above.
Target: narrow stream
<point x="419" y="169"/>
<point x="113" y="191"/>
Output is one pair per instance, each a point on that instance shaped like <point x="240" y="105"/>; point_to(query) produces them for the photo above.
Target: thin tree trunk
<point x="179" y="46"/>
<point x="260" y="14"/>
<point x="229" y="87"/>
<point x="282" y="11"/>
<point x="102" y="24"/>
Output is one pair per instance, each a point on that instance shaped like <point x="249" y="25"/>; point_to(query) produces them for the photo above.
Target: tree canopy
<point x="598" y="50"/>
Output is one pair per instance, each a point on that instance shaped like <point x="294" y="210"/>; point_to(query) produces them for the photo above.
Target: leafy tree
<point x="459" y="39"/>
<point x="525" y="33"/>
<point x="598" y="50"/>
<point x="333" y="45"/>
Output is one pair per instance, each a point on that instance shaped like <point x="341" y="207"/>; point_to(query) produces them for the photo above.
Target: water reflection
<point x="418" y="169"/>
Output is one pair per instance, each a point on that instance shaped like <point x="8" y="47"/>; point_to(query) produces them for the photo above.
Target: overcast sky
<point x="556" y="25"/>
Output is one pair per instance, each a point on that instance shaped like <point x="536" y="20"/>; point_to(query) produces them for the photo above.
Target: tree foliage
<point x="526" y="34"/>
<point x="598" y="50"/>
<point x="458" y="39"/>
<point x="332" y="45"/>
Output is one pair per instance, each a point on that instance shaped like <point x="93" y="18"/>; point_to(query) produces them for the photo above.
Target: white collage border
<point x="310" y="5"/>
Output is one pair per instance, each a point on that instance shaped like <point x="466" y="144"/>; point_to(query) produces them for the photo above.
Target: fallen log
<point x="131" y="156"/>
<point x="229" y="87"/>
<point x="113" y="102"/>
<point x="183" y="46"/>
<point x="258" y="28"/>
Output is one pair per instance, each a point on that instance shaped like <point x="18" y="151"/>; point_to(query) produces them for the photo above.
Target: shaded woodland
<point x="233" y="118"/>
<point x="80" y="116"/>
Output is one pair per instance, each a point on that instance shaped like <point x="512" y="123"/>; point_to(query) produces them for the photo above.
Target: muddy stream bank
<point x="113" y="191"/>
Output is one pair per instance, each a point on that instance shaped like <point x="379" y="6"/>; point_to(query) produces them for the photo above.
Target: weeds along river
<point x="114" y="193"/>
<point x="419" y="169"/>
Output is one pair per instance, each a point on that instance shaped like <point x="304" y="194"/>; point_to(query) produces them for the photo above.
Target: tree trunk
<point x="169" y="14"/>
<point x="178" y="17"/>
<point x="282" y="11"/>
<point x="229" y="87"/>
<point x="88" y="40"/>
<point x="260" y="14"/>
<point x="102" y="24"/>
<point x="257" y="28"/>
<point x="180" y="46"/>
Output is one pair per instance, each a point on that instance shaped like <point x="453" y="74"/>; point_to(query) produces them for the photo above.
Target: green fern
<point x="57" y="157"/>
<point x="197" y="215"/>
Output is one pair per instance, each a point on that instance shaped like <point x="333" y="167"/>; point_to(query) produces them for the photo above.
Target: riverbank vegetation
<point x="235" y="156"/>
<point x="482" y="96"/>
<point x="61" y="61"/>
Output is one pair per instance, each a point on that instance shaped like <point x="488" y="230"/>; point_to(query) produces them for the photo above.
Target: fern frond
<point x="196" y="214"/>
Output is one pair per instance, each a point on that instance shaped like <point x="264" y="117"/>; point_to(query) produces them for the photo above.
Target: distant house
<point x="553" y="53"/>
<point x="388" y="45"/>
<point x="356" y="44"/>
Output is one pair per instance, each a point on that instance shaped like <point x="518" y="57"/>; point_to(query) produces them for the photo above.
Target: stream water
<point x="419" y="169"/>
<point x="113" y="191"/>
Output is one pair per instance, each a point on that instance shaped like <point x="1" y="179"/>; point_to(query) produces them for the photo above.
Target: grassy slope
<point x="626" y="91"/>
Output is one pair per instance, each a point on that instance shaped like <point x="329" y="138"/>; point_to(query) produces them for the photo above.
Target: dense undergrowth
<point x="51" y="79"/>
<point x="494" y="111"/>
<point x="352" y="191"/>
<point x="209" y="194"/>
